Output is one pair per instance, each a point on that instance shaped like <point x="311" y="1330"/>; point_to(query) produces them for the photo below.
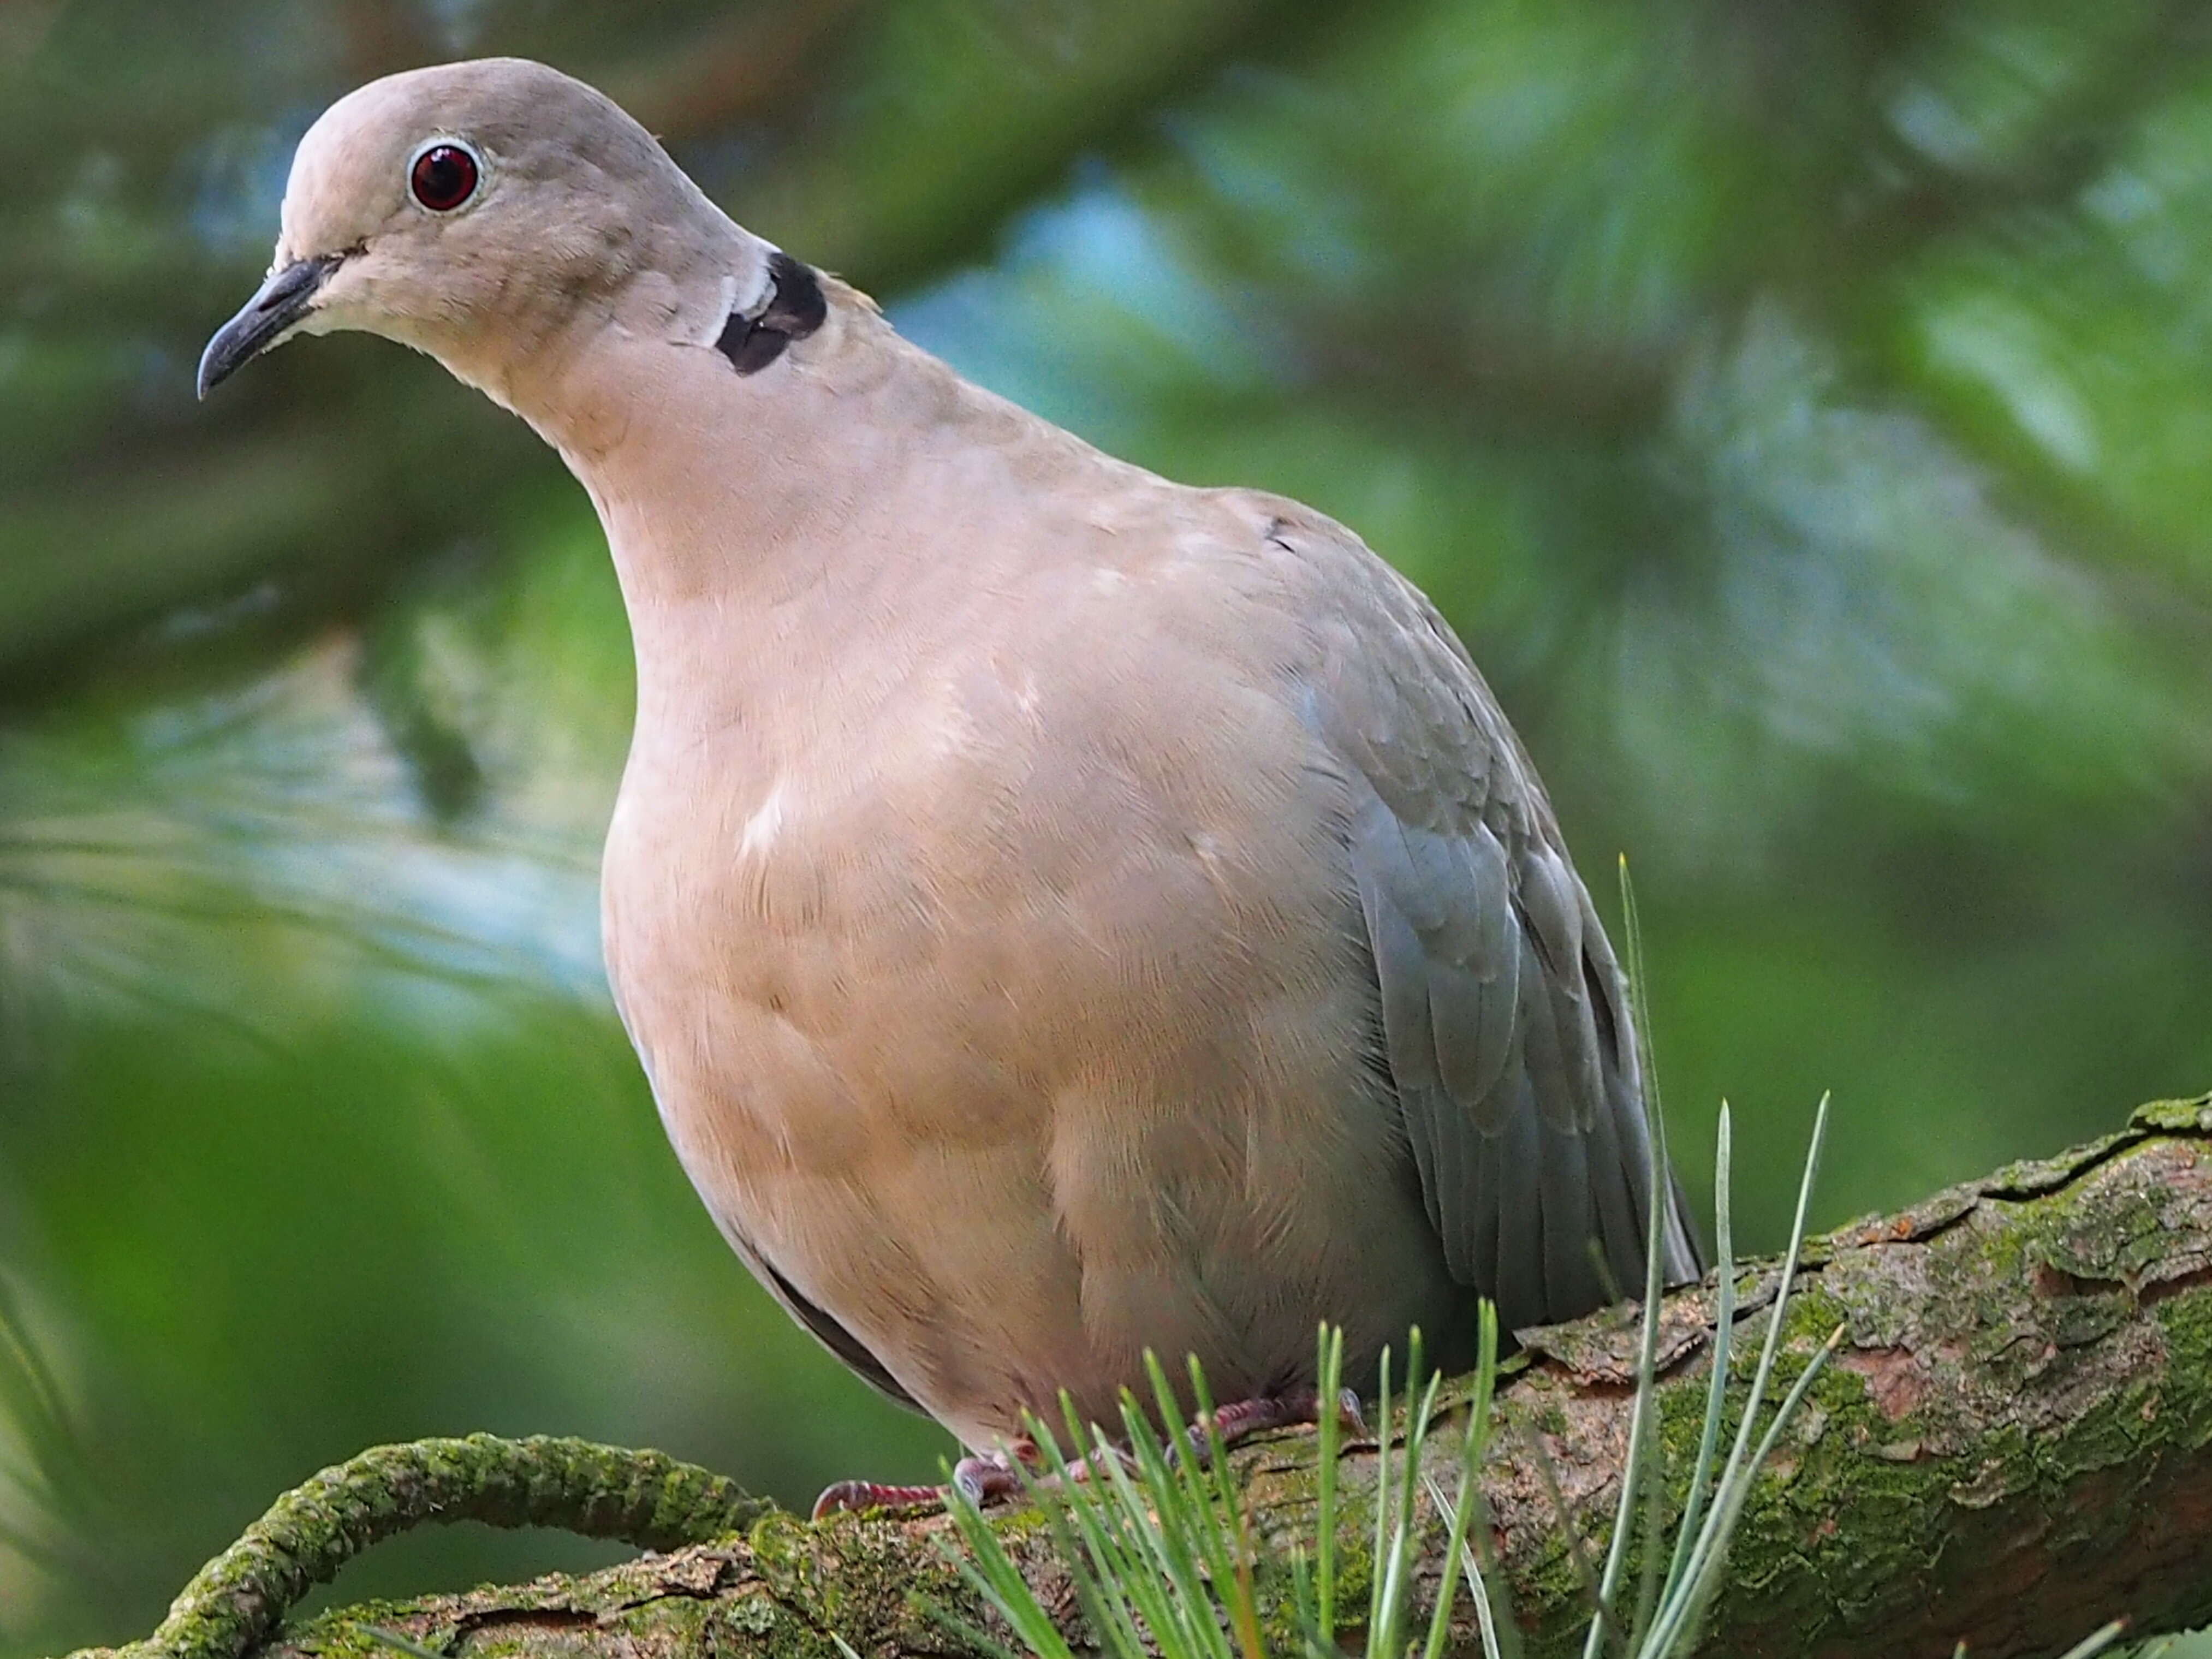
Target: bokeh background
<point x="1804" y="410"/>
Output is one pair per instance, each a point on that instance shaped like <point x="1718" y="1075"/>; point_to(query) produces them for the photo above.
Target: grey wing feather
<point x="1505" y="1015"/>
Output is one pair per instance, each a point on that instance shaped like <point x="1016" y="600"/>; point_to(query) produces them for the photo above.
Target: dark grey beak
<point x="282" y="300"/>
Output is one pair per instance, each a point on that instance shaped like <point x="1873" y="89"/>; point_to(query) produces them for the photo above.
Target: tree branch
<point x="2015" y="1444"/>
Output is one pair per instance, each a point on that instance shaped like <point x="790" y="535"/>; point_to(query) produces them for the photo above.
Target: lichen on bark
<point x="2014" y="1444"/>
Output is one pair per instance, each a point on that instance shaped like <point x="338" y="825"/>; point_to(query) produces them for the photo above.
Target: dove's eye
<point x="444" y="175"/>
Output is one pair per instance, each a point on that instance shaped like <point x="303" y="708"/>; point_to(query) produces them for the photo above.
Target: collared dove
<point x="1061" y="912"/>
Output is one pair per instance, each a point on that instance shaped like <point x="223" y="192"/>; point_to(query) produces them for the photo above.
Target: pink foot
<point x="985" y="1480"/>
<point x="1241" y="1419"/>
<point x="990" y="1480"/>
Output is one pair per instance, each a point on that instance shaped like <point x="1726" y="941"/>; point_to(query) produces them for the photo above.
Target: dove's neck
<point x="802" y="531"/>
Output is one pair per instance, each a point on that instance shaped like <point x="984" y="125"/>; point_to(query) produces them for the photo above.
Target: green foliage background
<point x="1803" y="410"/>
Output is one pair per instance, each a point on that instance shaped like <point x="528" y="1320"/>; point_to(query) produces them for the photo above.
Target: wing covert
<point x="1504" y="1013"/>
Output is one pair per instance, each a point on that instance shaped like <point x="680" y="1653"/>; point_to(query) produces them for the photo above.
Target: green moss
<point x="2185" y="1320"/>
<point x="644" y="1498"/>
<point x="2175" y="1116"/>
<point x="343" y="1634"/>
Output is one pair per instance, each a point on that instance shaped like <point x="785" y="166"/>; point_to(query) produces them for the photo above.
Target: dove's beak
<point x="267" y="318"/>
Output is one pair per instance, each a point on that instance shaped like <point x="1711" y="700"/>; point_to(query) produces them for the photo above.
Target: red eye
<point x="444" y="176"/>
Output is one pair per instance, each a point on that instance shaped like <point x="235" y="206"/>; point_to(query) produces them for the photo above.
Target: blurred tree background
<point x="1804" y="411"/>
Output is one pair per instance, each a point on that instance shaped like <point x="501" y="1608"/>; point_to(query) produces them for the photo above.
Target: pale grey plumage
<point x="1061" y="912"/>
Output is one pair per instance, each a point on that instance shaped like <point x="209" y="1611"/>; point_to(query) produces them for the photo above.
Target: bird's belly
<point x="988" y="1275"/>
<point x="1012" y="1119"/>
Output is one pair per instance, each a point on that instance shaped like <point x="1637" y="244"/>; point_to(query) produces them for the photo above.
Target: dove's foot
<point x="985" y="1480"/>
<point x="1292" y="1408"/>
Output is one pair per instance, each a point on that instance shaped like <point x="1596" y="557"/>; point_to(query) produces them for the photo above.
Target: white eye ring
<point x="445" y="174"/>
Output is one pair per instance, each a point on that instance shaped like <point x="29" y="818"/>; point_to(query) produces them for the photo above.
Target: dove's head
<point x="478" y="212"/>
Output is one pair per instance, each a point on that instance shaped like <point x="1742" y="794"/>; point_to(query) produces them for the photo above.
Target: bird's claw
<point x="1241" y="1419"/>
<point x="983" y="1479"/>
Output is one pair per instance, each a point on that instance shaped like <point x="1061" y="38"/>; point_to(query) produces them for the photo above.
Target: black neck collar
<point x="794" y="308"/>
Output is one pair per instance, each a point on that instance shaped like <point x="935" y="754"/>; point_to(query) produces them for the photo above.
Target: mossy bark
<point x="2014" y="1444"/>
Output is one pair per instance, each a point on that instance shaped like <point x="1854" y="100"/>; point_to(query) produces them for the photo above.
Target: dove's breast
<point x="1011" y="1004"/>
